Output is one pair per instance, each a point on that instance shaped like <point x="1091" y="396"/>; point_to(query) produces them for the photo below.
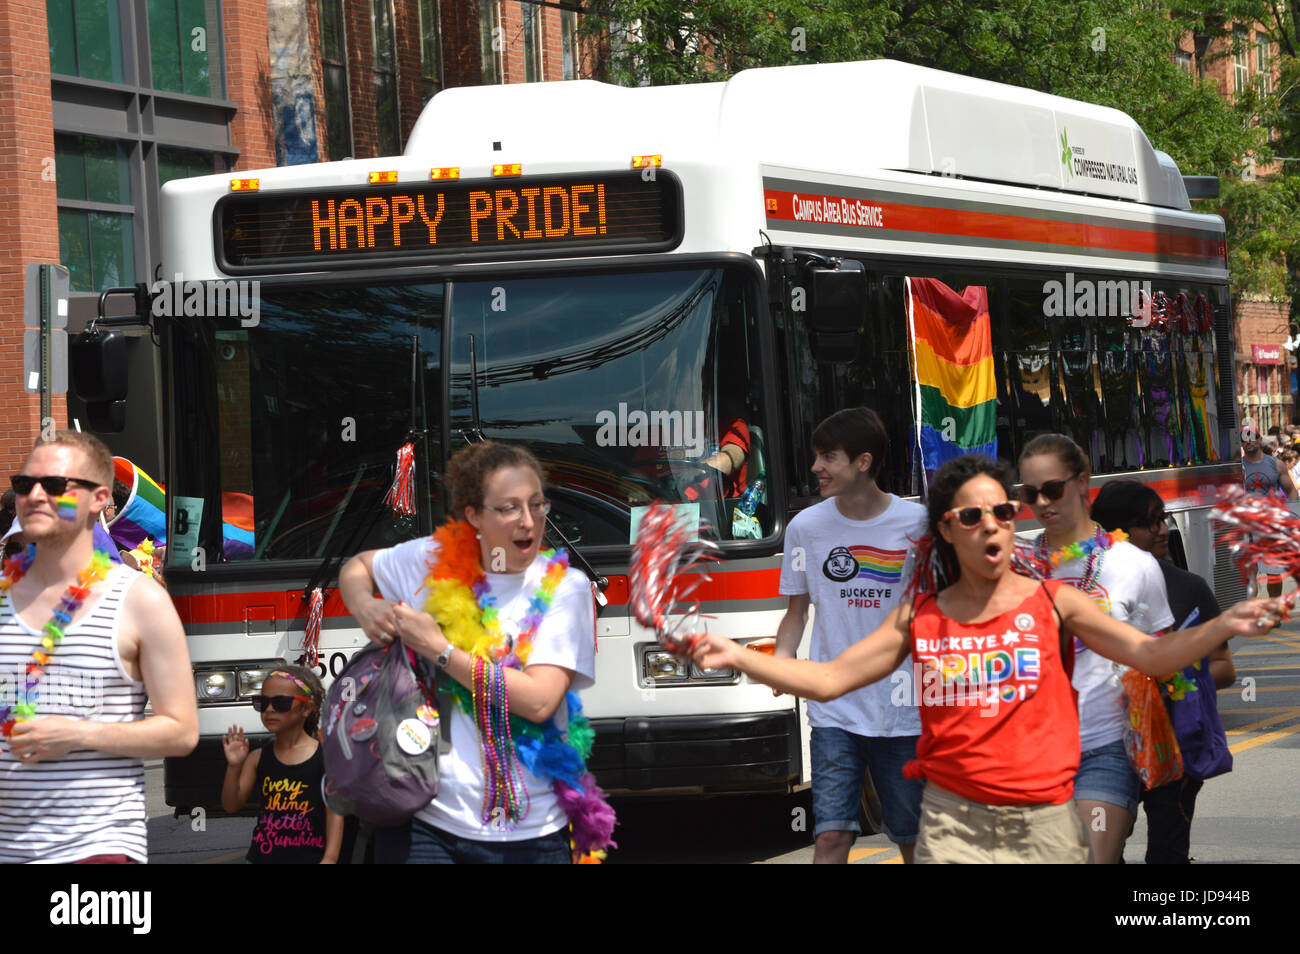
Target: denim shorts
<point x="1106" y="775"/>
<point x="840" y="761"/>
<point x="419" y="844"/>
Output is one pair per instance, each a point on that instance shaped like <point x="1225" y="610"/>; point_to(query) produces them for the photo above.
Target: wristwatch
<point x="444" y="657"/>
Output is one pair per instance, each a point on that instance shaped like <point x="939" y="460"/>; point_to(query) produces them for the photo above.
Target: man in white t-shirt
<point x="848" y="556"/>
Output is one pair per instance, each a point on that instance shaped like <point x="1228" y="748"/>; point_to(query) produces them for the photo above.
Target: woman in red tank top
<point x="1000" y="739"/>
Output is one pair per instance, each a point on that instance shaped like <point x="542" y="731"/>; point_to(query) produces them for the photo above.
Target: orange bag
<point x="1149" y="737"/>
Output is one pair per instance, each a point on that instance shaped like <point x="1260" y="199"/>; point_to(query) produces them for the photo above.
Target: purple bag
<point x="381" y="738"/>
<point x="1191" y="700"/>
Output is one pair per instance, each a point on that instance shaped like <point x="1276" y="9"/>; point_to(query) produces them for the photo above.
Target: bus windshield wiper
<point x="474" y="435"/>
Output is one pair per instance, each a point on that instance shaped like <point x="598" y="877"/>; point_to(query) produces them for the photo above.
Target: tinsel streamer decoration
<point x="664" y="550"/>
<point x="311" y="634"/>
<point x="1259" y="530"/>
<point x="401" y="496"/>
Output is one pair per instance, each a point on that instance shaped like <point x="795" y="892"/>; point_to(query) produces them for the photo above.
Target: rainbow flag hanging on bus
<point x="145" y="512"/>
<point x="952" y="367"/>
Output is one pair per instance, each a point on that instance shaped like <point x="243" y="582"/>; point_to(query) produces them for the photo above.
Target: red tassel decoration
<point x="401" y="496"/>
<point x="664" y="553"/>
<point x="311" y="635"/>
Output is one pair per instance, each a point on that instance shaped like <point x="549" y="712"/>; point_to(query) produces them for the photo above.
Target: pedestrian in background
<point x="1190" y="694"/>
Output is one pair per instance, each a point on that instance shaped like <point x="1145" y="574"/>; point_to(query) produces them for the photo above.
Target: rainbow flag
<point x="145" y="512"/>
<point x="956" y="389"/>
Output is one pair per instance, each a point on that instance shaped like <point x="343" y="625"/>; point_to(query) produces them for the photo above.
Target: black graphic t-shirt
<point x="291" y="828"/>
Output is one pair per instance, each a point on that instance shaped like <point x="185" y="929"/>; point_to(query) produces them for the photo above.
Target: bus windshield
<point x="628" y="387"/>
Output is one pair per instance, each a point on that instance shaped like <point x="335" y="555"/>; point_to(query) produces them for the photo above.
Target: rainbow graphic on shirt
<point x="883" y="566"/>
<point x="67" y="504"/>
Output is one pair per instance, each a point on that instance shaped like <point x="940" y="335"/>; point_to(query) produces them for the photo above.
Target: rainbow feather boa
<point x="455" y="584"/>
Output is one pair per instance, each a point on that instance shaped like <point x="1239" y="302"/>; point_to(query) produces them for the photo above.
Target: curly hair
<point x="470" y="467"/>
<point x="315" y="690"/>
<point x="936" y="563"/>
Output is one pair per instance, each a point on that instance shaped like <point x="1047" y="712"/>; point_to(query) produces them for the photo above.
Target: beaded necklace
<point x="15" y="568"/>
<point x="460" y="600"/>
<point x="1093" y="549"/>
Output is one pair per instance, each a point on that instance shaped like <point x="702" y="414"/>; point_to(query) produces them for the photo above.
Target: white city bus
<point x="602" y="272"/>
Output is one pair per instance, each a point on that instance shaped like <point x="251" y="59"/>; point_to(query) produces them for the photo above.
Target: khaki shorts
<point x="955" y="830"/>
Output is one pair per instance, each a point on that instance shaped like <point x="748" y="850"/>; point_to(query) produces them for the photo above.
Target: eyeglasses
<point x="511" y="512"/>
<point x="970" y="517"/>
<point x="54" y="486"/>
<point x="1153" y="525"/>
<point x="1051" y="490"/>
<point x="278" y="703"/>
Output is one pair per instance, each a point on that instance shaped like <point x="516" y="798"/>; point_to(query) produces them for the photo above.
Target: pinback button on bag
<point x="382" y="733"/>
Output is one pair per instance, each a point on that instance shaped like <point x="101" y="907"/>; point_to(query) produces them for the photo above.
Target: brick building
<point x="1264" y="367"/>
<point x="103" y="102"/>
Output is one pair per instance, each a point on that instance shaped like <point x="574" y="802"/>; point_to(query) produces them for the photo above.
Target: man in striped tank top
<point x="76" y="665"/>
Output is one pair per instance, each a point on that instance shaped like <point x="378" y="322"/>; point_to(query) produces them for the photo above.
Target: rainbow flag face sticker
<point x="67" y="505"/>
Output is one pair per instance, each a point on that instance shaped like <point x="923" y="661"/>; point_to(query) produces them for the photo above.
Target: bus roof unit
<point x="855" y="118"/>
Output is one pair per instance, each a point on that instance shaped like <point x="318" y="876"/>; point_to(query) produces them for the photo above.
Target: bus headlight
<point x="662" y="668"/>
<point x="250" y="681"/>
<point x="218" y="686"/>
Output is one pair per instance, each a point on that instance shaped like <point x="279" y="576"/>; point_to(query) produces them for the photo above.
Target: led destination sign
<point x="501" y="218"/>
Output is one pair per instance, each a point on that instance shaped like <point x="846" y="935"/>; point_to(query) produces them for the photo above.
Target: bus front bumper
<point x="742" y="752"/>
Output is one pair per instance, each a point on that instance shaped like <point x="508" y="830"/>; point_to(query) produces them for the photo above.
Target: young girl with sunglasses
<point x="999" y="743"/>
<point x="1125" y="582"/>
<point x="294" y="826"/>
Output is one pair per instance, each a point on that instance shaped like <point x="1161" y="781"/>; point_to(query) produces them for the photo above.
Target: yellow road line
<point x="857" y="854"/>
<point x="1255" y="710"/>
<point x="230" y="856"/>
<point x="1284" y="642"/>
<point x="1263" y="739"/>
<point x="1257" y="652"/>
<point x="896" y="860"/>
<point x="1270" y="720"/>
<point x="1265" y="668"/>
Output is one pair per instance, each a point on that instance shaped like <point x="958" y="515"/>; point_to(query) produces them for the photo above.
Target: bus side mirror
<point x="837" y="310"/>
<point x="97" y="366"/>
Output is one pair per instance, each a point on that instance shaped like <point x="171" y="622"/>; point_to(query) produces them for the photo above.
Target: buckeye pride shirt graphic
<point x="854" y="572"/>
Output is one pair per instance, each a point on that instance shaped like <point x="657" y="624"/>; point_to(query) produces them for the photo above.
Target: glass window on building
<point x="96" y="234"/>
<point x="1263" y="69"/>
<point x="491" y="41"/>
<point x="1184" y="60"/>
<point x="85" y="39"/>
<point x="333" y="52"/>
<point x="569" y="43"/>
<point x="185" y="47"/>
<point x="183" y="164"/>
<point x="530" y="14"/>
<point x="430" y="49"/>
<point x="386" y="113"/>
<point x="1240" y="61"/>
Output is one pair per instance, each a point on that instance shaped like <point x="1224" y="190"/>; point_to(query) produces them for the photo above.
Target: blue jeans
<point x="1106" y="775"/>
<point x="840" y="761"/>
<point x="420" y="844"/>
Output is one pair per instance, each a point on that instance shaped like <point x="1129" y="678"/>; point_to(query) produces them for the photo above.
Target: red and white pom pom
<point x="1260" y="530"/>
<point x="665" y="548"/>
<point x="311" y="634"/>
<point x="401" y="496"/>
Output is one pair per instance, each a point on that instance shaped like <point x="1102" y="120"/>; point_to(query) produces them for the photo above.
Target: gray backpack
<point x="382" y="731"/>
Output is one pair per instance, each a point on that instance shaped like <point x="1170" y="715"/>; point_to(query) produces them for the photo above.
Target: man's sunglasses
<point x="970" y="517"/>
<point x="278" y="703"/>
<point x="54" y="486"/>
<point x="1050" y="491"/>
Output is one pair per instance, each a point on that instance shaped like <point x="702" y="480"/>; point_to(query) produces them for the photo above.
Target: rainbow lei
<point x="460" y="600"/>
<point x="15" y="568"/>
<point x="1094" y="549"/>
